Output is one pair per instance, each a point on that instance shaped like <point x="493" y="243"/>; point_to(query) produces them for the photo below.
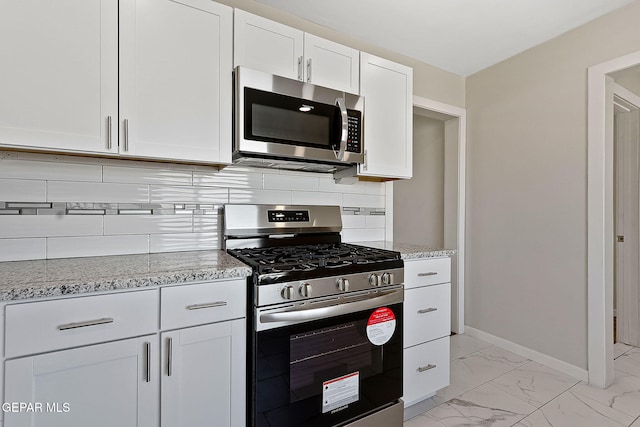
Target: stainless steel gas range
<point x="325" y="320"/>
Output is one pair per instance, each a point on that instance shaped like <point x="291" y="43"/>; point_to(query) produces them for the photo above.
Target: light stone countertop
<point x="409" y="251"/>
<point x="69" y="276"/>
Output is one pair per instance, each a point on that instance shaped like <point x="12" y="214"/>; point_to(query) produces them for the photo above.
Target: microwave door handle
<point x="343" y="129"/>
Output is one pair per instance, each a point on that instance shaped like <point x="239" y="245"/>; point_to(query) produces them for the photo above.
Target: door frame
<point x="600" y="217"/>
<point x="455" y="152"/>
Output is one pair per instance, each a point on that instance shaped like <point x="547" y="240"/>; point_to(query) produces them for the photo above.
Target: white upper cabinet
<point x="269" y="46"/>
<point x="60" y="81"/>
<point x="175" y="80"/>
<point x="59" y="74"/>
<point x="387" y="88"/>
<point x="331" y="64"/>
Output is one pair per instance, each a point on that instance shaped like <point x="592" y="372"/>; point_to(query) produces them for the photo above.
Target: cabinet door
<point x="176" y="80"/>
<point x="203" y="376"/>
<point x="387" y="88"/>
<point x="268" y="46"/>
<point x="331" y="64"/>
<point x="105" y="385"/>
<point x="59" y="74"/>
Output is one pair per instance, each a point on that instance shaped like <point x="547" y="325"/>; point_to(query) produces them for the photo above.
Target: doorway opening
<point x="626" y="128"/>
<point x="601" y="217"/>
<point x="447" y="227"/>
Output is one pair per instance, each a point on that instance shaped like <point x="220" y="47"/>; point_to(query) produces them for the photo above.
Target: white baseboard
<point x="551" y="362"/>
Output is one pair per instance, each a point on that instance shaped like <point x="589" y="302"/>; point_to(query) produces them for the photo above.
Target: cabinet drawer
<point x="427" y="313"/>
<point x="427" y="272"/>
<point x="37" y="327"/>
<point x="426" y="370"/>
<point x="203" y="303"/>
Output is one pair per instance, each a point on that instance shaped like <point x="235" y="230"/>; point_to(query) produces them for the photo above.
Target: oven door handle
<point x="308" y="314"/>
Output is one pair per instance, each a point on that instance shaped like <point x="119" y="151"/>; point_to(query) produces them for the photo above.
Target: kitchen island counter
<point x="21" y="280"/>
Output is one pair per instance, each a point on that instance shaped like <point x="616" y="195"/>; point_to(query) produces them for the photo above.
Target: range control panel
<point x="288" y="216"/>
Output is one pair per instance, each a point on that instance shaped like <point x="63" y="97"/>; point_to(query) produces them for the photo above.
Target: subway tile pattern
<point x="59" y="206"/>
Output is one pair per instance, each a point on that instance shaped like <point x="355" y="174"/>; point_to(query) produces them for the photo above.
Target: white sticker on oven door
<point x="381" y="326"/>
<point x="339" y="392"/>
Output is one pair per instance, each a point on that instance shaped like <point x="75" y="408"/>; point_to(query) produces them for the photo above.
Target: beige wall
<point x="527" y="185"/>
<point x="418" y="203"/>
<point x="428" y="81"/>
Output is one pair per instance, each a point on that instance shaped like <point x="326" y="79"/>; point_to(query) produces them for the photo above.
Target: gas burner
<point x="322" y="259"/>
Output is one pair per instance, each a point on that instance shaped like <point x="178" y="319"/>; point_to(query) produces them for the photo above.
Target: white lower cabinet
<point x="427" y="326"/>
<point x="426" y="370"/>
<point x="104" y="385"/>
<point x="203" y="375"/>
<point x="173" y="356"/>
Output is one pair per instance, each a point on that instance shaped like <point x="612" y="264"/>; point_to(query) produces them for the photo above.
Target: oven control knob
<point x="386" y="278"/>
<point x="305" y="290"/>
<point x="287" y="292"/>
<point x="343" y="284"/>
<point x="374" y="279"/>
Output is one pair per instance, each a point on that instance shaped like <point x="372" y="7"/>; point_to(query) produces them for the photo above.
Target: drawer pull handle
<point x="426" y="368"/>
<point x="427" y="310"/>
<point x="75" y="325"/>
<point x="207" y="305"/>
<point x="147" y="351"/>
<point x="430" y="273"/>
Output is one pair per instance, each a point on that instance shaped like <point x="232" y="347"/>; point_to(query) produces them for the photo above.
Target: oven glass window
<point x="321" y="355"/>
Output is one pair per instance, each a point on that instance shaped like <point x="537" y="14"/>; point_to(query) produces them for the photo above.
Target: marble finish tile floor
<point x="492" y="387"/>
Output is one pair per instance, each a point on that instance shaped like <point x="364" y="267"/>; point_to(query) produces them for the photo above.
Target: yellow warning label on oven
<point x="339" y="392"/>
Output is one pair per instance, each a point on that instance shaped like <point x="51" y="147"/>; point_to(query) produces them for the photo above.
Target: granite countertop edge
<point x="39" y="284"/>
<point x="409" y="251"/>
<point x="36" y="279"/>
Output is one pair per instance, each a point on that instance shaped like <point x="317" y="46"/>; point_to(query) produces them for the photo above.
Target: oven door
<point x="330" y="370"/>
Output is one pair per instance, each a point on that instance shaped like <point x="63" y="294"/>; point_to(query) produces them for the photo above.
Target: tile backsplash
<point x="58" y="206"/>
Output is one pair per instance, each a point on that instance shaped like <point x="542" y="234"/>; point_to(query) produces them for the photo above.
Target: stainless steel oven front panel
<point x="321" y="308"/>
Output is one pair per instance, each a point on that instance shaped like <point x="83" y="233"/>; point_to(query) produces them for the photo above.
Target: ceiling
<point x="460" y="36"/>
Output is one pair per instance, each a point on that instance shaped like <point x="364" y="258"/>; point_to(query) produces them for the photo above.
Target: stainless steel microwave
<point x="287" y="123"/>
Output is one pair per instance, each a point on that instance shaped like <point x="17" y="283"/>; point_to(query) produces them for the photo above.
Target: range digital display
<point x="288" y="216"/>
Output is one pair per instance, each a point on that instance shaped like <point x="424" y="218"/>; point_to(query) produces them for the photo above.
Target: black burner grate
<point x="282" y="259"/>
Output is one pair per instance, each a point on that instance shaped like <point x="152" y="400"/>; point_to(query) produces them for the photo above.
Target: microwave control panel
<point x="354" y="143"/>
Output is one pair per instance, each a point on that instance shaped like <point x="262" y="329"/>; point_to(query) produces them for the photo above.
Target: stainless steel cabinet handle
<point x="426" y="368"/>
<point x="126" y="134"/>
<point x="147" y="350"/>
<point x="430" y="273"/>
<point x="96" y="322"/>
<point x="364" y="163"/>
<point x="108" y="132"/>
<point x="309" y="70"/>
<point x="427" y="310"/>
<point x="207" y="305"/>
<point x="169" y="355"/>
<point x="300" y="68"/>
